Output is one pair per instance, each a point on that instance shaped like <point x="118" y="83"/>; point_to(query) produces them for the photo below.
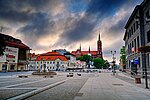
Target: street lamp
<point x="113" y="53"/>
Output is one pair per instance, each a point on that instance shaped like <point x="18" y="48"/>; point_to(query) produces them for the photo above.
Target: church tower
<point x="99" y="48"/>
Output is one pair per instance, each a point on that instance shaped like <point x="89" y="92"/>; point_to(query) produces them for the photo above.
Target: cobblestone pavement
<point x="108" y="87"/>
<point x="13" y="86"/>
<point x="131" y="80"/>
<point x="88" y="86"/>
<point x="65" y="91"/>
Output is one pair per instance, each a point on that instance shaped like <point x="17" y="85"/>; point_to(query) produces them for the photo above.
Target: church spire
<point x="89" y="49"/>
<point x="99" y="37"/>
<point x="80" y="46"/>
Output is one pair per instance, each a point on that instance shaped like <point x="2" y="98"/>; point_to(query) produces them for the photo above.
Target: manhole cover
<point x="118" y="84"/>
<point x="79" y="94"/>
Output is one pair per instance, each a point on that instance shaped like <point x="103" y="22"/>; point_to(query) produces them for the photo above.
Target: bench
<point x="78" y="74"/>
<point x="70" y="75"/>
<point x="48" y="76"/>
<point x="23" y="76"/>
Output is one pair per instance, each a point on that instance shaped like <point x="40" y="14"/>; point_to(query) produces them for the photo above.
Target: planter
<point x="137" y="79"/>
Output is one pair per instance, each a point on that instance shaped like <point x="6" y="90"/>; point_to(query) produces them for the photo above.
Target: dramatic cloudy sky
<point x="45" y="25"/>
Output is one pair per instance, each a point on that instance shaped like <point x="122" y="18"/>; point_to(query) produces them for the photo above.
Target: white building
<point x="51" y="61"/>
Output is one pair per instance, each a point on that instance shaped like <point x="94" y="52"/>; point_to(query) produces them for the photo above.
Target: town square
<point x="75" y="50"/>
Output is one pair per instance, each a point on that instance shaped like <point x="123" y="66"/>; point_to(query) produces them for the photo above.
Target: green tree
<point x="2" y="46"/>
<point x="85" y="58"/>
<point x="106" y="64"/>
<point x="123" y="57"/>
<point x="80" y="58"/>
<point x="98" y="62"/>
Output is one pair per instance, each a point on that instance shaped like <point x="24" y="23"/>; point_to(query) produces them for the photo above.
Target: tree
<point x="106" y="64"/>
<point x="98" y="63"/>
<point x="2" y="46"/>
<point x="85" y="58"/>
<point x="123" y="57"/>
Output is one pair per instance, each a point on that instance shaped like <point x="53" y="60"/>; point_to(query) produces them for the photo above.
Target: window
<point x="137" y="24"/>
<point x="138" y="42"/>
<point x="148" y="36"/>
<point x="147" y="14"/>
<point x="134" y="27"/>
<point x="131" y="30"/>
<point x="132" y="44"/>
<point x="128" y="34"/>
<point x="135" y="45"/>
<point x="128" y="49"/>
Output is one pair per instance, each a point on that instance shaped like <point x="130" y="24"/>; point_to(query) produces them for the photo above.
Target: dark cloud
<point x="118" y="28"/>
<point x="20" y="11"/>
<point x="39" y="25"/>
<point x="78" y="30"/>
<point x="83" y="28"/>
<point x="104" y="7"/>
<point x="35" y="18"/>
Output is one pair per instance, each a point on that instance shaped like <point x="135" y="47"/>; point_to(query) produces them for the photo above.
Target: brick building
<point x="95" y="54"/>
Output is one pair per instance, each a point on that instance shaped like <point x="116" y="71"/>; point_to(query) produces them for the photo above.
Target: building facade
<point x="95" y="54"/>
<point x="51" y="61"/>
<point x="137" y="35"/>
<point x="32" y="61"/>
<point x="70" y="57"/>
<point x="15" y="55"/>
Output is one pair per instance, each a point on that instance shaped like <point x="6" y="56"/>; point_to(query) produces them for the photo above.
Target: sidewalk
<point x="131" y="80"/>
<point x="104" y="86"/>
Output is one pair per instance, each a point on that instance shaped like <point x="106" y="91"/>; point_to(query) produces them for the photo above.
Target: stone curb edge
<point x="29" y="94"/>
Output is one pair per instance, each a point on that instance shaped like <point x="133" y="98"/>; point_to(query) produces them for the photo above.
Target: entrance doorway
<point x="4" y="67"/>
<point x="12" y="67"/>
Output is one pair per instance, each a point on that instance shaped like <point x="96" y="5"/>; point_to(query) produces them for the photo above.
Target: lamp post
<point x="113" y="53"/>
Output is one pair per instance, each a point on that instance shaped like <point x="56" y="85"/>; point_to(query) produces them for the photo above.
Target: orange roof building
<point x="94" y="54"/>
<point x="51" y="61"/>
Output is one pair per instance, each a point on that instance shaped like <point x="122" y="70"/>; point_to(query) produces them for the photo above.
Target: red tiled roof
<point x="51" y="58"/>
<point x="17" y="45"/>
<point x="51" y="53"/>
<point x="85" y="52"/>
